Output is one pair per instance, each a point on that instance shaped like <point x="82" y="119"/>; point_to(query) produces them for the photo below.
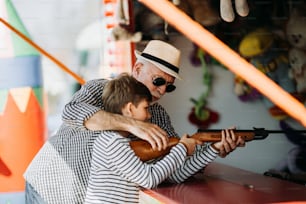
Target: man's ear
<point x="137" y="68"/>
<point x="127" y="110"/>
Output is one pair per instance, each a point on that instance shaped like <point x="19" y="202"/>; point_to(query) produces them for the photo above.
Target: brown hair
<point x="122" y="90"/>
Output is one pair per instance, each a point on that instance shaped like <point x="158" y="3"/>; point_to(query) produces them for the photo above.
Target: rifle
<point x="145" y="152"/>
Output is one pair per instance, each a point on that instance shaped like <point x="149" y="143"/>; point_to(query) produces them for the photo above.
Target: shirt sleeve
<point x="201" y="158"/>
<point x="130" y="167"/>
<point x="85" y="103"/>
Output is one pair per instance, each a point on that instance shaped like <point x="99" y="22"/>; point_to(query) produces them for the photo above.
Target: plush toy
<point x="205" y="12"/>
<point x="297" y="59"/>
<point x="148" y="23"/>
<point x="227" y="12"/>
<point x="296" y="29"/>
<point x="296" y="35"/>
<point x="119" y="32"/>
<point x="244" y="91"/>
<point x="201" y="11"/>
<point x="262" y="49"/>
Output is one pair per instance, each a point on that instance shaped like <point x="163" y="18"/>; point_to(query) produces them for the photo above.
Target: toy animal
<point x="297" y="60"/>
<point x="296" y="29"/>
<point x="205" y="13"/>
<point x="296" y="36"/>
<point x="262" y="49"/>
<point x="227" y="12"/>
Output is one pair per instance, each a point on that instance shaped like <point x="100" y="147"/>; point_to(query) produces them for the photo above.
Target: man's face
<point x="148" y="73"/>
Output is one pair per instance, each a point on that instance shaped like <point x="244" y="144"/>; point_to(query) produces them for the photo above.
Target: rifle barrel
<point x="259" y="133"/>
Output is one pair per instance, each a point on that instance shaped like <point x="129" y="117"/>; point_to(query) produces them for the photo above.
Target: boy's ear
<point x="127" y="110"/>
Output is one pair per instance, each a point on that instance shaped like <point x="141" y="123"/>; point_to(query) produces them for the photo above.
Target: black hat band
<point x="161" y="61"/>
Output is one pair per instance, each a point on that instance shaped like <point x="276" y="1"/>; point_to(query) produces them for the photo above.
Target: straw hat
<point x="163" y="55"/>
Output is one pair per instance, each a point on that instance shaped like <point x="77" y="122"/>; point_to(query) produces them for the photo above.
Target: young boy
<point x="116" y="173"/>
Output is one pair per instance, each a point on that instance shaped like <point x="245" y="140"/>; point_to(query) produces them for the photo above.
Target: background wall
<point x="55" y="25"/>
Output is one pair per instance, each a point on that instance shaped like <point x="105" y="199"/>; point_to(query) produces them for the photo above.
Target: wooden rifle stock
<point x="145" y="152"/>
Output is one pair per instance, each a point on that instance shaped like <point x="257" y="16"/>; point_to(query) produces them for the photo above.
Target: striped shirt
<point x="117" y="173"/>
<point x="60" y="170"/>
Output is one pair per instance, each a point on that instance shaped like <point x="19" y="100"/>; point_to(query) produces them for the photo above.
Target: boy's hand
<point x="228" y="143"/>
<point x="190" y="143"/>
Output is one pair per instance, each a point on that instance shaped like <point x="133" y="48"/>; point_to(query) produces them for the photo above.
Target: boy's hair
<point x="122" y="90"/>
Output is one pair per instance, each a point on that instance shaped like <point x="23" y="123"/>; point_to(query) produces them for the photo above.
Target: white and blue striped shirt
<point x="117" y="174"/>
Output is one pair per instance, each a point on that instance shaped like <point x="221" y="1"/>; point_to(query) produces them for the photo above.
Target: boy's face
<point x="140" y="112"/>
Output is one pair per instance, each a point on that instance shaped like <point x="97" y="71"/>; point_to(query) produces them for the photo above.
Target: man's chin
<point x="154" y="98"/>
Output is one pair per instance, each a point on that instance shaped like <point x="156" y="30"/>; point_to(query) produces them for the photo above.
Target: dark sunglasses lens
<point x="170" y="88"/>
<point x="159" y="81"/>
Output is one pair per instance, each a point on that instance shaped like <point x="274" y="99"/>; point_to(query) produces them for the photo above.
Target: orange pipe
<point x="229" y="58"/>
<point x="61" y="65"/>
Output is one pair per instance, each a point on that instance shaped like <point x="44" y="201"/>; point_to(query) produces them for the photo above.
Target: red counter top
<point x="223" y="184"/>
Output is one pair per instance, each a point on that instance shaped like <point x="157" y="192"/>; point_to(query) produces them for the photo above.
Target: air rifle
<point x="145" y="152"/>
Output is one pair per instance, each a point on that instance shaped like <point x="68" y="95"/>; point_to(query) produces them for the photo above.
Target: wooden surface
<point x="226" y="185"/>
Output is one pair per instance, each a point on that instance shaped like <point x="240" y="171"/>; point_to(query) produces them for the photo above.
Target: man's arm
<point x="84" y="104"/>
<point x="85" y="111"/>
<point x="153" y="134"/>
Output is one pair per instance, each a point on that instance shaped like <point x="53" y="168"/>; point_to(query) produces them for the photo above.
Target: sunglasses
<point x="159" y="81"/>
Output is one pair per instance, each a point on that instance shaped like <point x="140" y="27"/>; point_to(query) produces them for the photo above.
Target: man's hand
<point x="153" y="134"/>
<point x="228" y="142"/>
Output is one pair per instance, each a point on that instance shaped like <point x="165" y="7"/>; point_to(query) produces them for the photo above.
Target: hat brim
<point x="160" y="66"/>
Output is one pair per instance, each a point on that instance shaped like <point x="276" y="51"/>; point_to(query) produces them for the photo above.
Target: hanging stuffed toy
<point x="120" y="33"/>
<point x="297" y="72"/>
<point x="205" y="12"/>
<point x="244" y="91"/>
<point x="296" y="35"/>
<point x="151" y="25"/>
<point x="227" y="12"/>
<point x="202" y="11"/>
<point x="262" y="48"/>
<point x="123" y="28"/>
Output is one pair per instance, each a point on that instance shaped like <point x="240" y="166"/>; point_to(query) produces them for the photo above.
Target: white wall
<point x="258" y="156"/>
<point x="54" y="25"/>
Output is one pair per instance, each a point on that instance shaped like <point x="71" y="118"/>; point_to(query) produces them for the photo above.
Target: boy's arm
<point x="145" y="175"/>
<point x="200" y="159"/>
